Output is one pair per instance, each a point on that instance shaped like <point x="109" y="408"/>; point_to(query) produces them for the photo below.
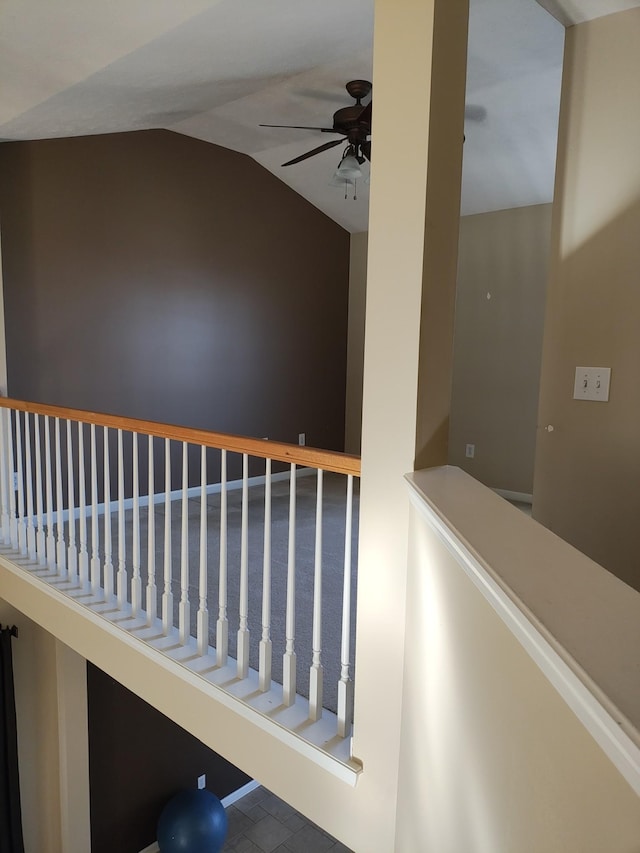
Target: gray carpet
<point x="334" y="502"/>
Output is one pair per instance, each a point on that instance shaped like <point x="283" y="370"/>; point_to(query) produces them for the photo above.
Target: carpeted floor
<point x="334" y="504"/>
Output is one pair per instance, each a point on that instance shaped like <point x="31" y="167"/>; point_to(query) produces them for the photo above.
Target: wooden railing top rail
<point x="328" y="460"/>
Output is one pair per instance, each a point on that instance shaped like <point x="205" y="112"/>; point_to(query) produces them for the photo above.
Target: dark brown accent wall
<point x="158" y="276"/>
<point x="138" y="759"/>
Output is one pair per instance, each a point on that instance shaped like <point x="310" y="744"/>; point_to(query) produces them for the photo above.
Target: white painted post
<point x="152" y="592"/>
<point x="22" y="527"/>
<point x="6" y="476"/>
<point x="31" y="530"/>
<point x="203" y="612"/>
<point x="265" y="649"/>
<point x="61" y="553"/>
<point x="13" y="522"/>
<point x="184" y="611"/>
<point x="108" y="539"/>
<point x="121" y="576"/>
<point x="222" y="626"/>
<point x="167" y="595"/>
<point x="136" y="581"/>
<point x="243" y="630"/>
<point x="289" y="658"/>
<point x="95" y="534"/>
<point x="345" y="684"/>
<point x="316" y="673"/>
<point x="41" y="545"/>
<point x="72" y="550"/>
<point x="51" y="542"/>
<point x="83" y="557"/>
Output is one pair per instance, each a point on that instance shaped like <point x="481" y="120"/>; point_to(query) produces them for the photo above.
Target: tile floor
<point x="262" y="823"/>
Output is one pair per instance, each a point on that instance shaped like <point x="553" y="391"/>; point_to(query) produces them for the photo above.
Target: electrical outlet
<point x="302" y="438"/>
<point x="202" y="781"/>
<point x="15" y="481"/>
<point x="470" y="451"/>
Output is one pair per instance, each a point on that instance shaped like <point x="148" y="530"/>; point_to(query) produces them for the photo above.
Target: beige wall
<point x="355" y="341"/>
<point x="36" y="709"/>
<point x="51" y="708"/>
<point x="587" y="473"/>
<point x="492" y="758"/>
<point x="503" y="267"/>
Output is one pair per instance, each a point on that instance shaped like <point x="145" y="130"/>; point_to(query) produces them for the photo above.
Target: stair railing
<point x="85" y="495"/>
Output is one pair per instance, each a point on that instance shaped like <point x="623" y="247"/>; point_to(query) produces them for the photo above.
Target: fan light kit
<point x="352" y="122"/>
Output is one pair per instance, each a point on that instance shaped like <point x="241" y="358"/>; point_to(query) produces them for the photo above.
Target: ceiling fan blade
<point x="314" y="151"/>
<point x="365" y="147"/>
<point x="302" y="127"/>
<point x="365" y="115"/>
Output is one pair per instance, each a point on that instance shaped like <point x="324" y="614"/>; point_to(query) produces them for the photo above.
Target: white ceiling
<point x="216" y="69"/>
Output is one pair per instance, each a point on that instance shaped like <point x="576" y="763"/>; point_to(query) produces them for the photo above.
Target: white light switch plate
<point x="592" y="383"/>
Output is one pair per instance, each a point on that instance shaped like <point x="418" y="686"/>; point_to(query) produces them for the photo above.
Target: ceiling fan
<point x="352" y="123"/>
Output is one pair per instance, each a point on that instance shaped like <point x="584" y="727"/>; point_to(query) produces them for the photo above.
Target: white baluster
<point x="51" y="542"/>
<point x="95" y="530"/>
<point x="41" y="545"/>
<point x="13" y="522"/>
<point x="243" y="630"/>
<point x="61" y="548"/>
<point x="345" y="684"/>
<point x="6" y="476"/>
<point x="264" y="666"/>
<point x="108" y="539"/>
<point x="31" y="530"/>
<point x="184" y="611"/>
<point x="121" y="578"/>
<point x="22" y="527"/>
<point x="167" y="595"/>
<point x="72" y="551"/>
<point x="152" y="592"/>
<point x="316" y="673"/>
<point x="203" y="612"/>
<point x="289" y="659"/>
<point x="136" y="582"/>
<point x="222" y="626"/>
<point x="83" y="556"/>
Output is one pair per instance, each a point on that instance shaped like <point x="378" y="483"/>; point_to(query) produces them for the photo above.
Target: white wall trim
<point x="568" y="678"/>
<point x="90" y="631"/>
<point x="521" y="497"/>
<point x="193" y="492"/>
<point x="234" y="796"/>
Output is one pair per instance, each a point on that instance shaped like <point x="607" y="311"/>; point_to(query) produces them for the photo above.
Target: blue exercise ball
<point x="193" y="821"/>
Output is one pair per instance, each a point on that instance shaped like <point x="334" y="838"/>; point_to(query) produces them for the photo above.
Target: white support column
<point x="266" y="648"/>
<point x="243" y="615"/>
<point x="73" y="739"/>
<point x="61" y="546"/>
<point x="316" y="674"/>
<point x="289" y="663"/>
<point x="184" y="609"/>
<point x="419" y="70"/>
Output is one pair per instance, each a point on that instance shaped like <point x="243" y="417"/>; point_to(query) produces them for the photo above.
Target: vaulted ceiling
<point x="217" y="69"/>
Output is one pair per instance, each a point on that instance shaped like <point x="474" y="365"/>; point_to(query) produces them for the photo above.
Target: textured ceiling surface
<point x="216" y="69"/>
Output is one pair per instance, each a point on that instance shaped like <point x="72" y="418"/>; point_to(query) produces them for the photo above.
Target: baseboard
<point x="176" y="494"/>
<point x="229" y="800"/>
<point x="521" y="497"/>
<point x="240" y="793"/>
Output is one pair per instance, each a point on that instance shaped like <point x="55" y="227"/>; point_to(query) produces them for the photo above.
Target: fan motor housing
<point x="346" y="119"/>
